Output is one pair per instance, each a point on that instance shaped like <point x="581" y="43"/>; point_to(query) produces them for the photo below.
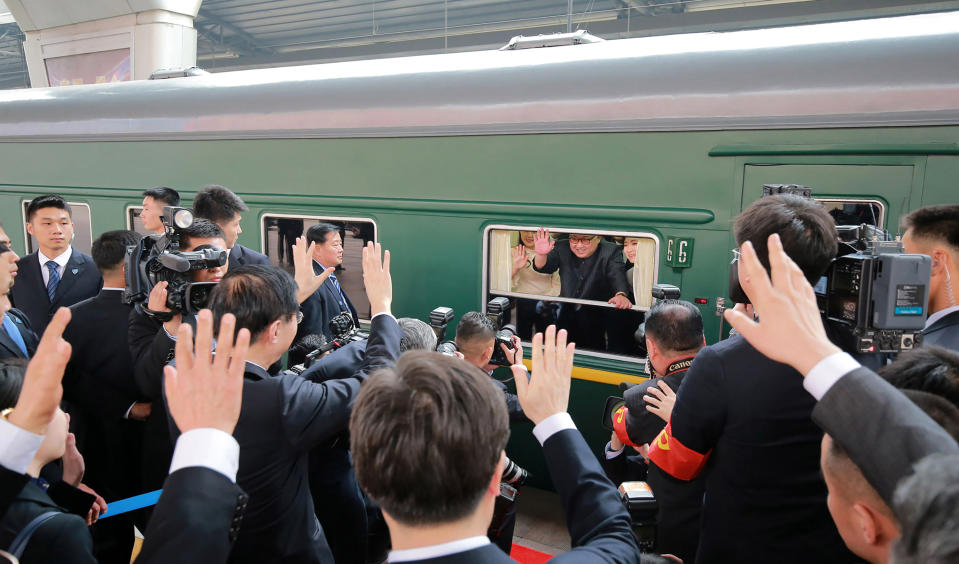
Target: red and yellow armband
<point x="675" y="458"/>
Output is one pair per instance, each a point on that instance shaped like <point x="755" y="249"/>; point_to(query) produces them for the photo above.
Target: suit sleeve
<point x="623" y="468"/>
<point x="861" y="411"/>
<point x="552" y="262"/>
<point x="195" y="520"/>
<point x="682" y="448"/>
<point x="598" y="523"/>
<point x="314" y="413"/>
<point x="616" y="274"/>
<point x="151" y="349"/>
<point x="72" y="499"/>
<point x="11" y="484"/>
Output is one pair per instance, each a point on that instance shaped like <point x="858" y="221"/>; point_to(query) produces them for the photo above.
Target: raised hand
<point x="789" y="328"/>
<point x="307" y="281"/>
<point x="42" y="389"/>
<point x="203" y="391"/>
<point x="542" y="242"/>
<point x="546" y="392"/>
<point x="660" y="400"/>
<point x="519" y="258"/>
<point x="377" y="279"/>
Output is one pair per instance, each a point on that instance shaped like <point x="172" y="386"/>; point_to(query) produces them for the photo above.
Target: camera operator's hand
<point x="519" y="258"/>
<point x="307" y="281"/>
<point x="660" y="400"/>
<point x="205" y="390"/>
<point x="42" y="390"/>
<point x="614" y="443"/>
<point x="377" y="279"/>
<point x="157" y="302"/>
<point x="515" y="355"/>
<point x="542" y="244"/>
<point x="620" y="301"/>
<point x="789" y="329"/>
<point x="546" y="392"/>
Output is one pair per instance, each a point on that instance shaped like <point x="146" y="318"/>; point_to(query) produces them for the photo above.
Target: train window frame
<point x="129" y="218"/>
<point x="315" y="217"/>
<point x="876" y="201"/>
<point x="28" y="247"/>
<point x="486" y="291"/>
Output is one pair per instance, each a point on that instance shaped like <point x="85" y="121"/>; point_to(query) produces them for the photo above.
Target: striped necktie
<point x="54" y="279"/>
<point x="336" y="284"/>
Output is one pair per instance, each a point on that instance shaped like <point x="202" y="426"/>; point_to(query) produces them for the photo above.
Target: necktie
<point x="11" y="329"/>
<point x="339" y="291"/>
<point x="54" y="279"/>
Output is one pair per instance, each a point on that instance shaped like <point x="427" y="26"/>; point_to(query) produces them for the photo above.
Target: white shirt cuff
<point x="17" y="446"/>
<point x="552" y="425"/>
<point x="129" y="409"/>
<point x="382" y="313"/>
<point x="207" y="447"/>
<point x="827" y="372"/>
<point x="610" y="453"/>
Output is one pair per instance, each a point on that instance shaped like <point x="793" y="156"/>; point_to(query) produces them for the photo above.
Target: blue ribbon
<point x="131" y="503"/>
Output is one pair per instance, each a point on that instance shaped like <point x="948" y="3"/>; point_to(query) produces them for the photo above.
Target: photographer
<point x="934" y="231"/>
<point x="152" y="344"/>
<point x="674" y="335"/>
<point x="476" y="339"/>
<point x="744" y="421"/>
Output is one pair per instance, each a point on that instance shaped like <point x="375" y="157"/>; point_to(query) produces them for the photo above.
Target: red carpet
<point x="525" y="555"/>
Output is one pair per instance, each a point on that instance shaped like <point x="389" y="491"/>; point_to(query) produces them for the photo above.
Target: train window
<point x="134" y="223"/>
<point x="855" y="212"/>
<point x="576" y="282"/>
<point x="82" y="227"/>
<point x="278" y="232"/>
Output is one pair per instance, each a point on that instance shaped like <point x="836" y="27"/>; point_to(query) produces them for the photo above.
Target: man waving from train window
<point x="590" y="268"/>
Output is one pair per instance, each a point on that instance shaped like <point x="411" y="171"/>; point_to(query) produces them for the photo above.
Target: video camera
<point x="497" y="310"/>
<point x="344" y="331"/>
<point x="159" y="259"/>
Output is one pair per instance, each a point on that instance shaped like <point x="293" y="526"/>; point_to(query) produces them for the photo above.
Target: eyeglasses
<point x="581" y="240"/>
<point x="735" y="253"/>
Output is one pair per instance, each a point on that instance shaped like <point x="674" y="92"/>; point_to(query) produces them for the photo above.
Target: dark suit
<point x="282" y="418"/>
<point x="599" y="526"/>
<point x="240" y="255"/>
<point x="11" y="483"/>
<point x="80" y="280"/>
<point x="321" y="307"/>
<point x="100" y="388"/>
<point x="870" y="419"/>
<point x="196" y="519"/>
<point x="8" y="348"/>
<point x="943" y="333"/>
<point x="63" y="539"/>
<point x="747" y="419"/>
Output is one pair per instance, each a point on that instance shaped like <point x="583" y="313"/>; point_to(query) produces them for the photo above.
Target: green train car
<point x="662" y="138"/>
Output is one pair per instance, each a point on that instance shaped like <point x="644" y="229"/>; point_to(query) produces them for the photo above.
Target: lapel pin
<point x="75" y="270"/>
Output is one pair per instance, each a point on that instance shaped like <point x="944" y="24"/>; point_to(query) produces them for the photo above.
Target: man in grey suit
<point x="934" y="231"/>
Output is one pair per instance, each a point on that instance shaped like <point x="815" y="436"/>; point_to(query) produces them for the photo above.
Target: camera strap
<point x="161" y="316"/>
<point x="679" y="366"/>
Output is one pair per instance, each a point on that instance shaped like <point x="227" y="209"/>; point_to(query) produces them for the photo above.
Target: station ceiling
<point x="242" y="34"/>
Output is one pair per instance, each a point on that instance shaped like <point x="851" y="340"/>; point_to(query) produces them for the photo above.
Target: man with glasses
<point x="590" y="268"/>
<point x="17" y="339"/>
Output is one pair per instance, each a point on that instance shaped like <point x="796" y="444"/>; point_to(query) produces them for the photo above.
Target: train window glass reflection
<point x="578" y="284"/>
<point x="279" y="231"/>
<point x="855" y="212"/>
<point x="82" y="230"/>
<point x="134" y="223"/>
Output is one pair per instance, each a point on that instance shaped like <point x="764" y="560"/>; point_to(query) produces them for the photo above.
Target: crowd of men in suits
<point x="388" y="449"/>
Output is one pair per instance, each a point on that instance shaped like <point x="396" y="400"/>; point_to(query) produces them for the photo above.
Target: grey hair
<point x="927" y="507"/>
<point x="417" y="335"/>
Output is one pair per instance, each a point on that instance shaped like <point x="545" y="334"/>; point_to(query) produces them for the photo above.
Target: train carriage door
<point x="853" y="194"/>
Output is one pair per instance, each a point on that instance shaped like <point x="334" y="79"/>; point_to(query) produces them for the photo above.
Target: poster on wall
<point x="89" y="68"/>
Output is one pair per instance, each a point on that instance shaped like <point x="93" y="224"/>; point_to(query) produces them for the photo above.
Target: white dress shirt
<point x="827" y="372"/>
<point x="61" y="261"/>
<point x="209" y="448"/>
<point x="17" y="446"/>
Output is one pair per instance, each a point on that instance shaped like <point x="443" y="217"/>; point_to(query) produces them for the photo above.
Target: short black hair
<point x="217" y="203"/>
<point x="807" y="231"/>
<point x="12" y="371"/>
<point x="257" y="295"/>
<point x="201" y="229"/>
<point x="110" y="248"/>
<point x="475" y="325"/>
<point x="168" y="196"/>
<point x="927" y="369"/>
<point x="938" y="408"/>
<point x="47" y="201"/>
<point x="940" y="223"/>
<point x="319" y="232"/>
<point x="675" y="325"/>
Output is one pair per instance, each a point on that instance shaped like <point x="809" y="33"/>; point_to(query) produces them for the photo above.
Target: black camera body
<point x="643" y="509"/>
<point x="159" y="259"/>
<point x="874" y="296"/>
<point x="498" y="310"/>
<point x="344" y="331"/>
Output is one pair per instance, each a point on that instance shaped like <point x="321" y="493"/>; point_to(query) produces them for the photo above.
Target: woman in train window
<point x="531" y="314"/>
<point x="624" y="322"/>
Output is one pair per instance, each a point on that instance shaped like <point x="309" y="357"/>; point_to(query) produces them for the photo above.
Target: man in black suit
<point x="56" y="274"/>
<point x="743" y="420"/>
<point x="428" y="439"/>
<point x="154" y="200"/>
<point x="17" y="338"/>
<point x="674" y="335"/>
<point x="8" y="262"/>
<point x="329" y="300"/>
<point x="934" y="231"/>
<point x="285" y="416"/>
<point x="221" y="206"/>
<point x="107" y="408"/>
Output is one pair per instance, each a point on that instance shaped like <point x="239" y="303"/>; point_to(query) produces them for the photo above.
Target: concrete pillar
<point x="104" y="40"/>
